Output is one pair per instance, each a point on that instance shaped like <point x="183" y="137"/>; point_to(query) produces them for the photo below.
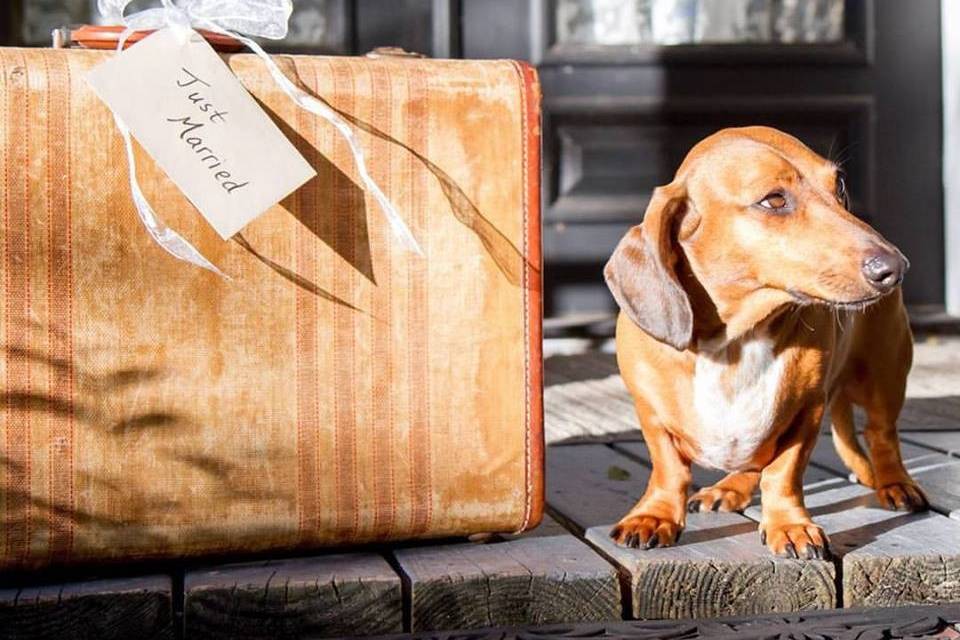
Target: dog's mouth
<point x="843" y="305"/>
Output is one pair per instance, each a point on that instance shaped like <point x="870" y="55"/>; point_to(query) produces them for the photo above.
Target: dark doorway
<point x="619" y="117"/>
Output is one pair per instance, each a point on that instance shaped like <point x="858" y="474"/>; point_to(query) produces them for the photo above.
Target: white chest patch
<point x="736" y="401"/>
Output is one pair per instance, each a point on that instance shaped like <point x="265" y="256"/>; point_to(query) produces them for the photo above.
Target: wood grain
<point x="591" y="484"/>
<point x="585" y="397"/>
<point x="915" y="622"/>
<point x="941" y="483"/>
<point x="718" y="569"/>
<point x="944" y="441"/>
<point x="547" y="528"/>
<point x="889" y="558"/>
<point x="704" y="477"/>
<point x="138" y="608"/>
<point x="335" y="595"/>
<point x="719" y="566"/>
<point x="524" y="581"/>
<point x="938" y="474"/>
<point x="825" y="456"/>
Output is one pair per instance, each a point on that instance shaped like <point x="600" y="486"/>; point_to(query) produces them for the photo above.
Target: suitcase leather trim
<point x="533" y="271"/>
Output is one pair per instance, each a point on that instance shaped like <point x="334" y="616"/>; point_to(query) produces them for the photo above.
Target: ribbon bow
<point x="238" y="19"/>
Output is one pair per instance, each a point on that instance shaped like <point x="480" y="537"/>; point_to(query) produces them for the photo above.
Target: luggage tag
<point x="190" y="113"/>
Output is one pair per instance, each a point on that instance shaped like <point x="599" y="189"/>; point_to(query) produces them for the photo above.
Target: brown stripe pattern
<point x="418" y="326"/>
<point x="346" y="243"/>
<point x="17" y="308"/>
<point x="384" y="500"/>
<point x="308" y="397"/>
<point x="60" y="301"/>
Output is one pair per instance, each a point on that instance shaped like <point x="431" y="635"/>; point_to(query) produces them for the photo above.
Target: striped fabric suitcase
<point x="336" y="389"/>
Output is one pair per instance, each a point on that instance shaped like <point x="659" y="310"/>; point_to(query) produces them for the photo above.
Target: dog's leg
<point x="785" y="524"/>
<point x="846" y="443"/>
<point x="895" y="488"/>
<point x="881" y="392"/>
<point x="658" y="518"/>
<point x="733" y="493"/>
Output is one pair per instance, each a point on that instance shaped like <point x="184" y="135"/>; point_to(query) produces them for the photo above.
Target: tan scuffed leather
<point x="337" y="389"/>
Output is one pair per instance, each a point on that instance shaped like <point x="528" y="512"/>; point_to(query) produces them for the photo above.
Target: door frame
<point x="950" y="25"/>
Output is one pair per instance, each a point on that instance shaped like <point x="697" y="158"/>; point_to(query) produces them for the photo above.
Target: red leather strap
<point x="106" y="37"/>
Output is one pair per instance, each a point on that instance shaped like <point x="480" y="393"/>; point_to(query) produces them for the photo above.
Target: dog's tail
<point x="846" y="443"/>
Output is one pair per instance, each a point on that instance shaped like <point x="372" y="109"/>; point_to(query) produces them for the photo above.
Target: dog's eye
<point x="774" y="201"/>
<point x="842" y="196"/>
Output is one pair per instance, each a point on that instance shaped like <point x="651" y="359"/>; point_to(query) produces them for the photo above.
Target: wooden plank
<point x="577" y="405"/>
<point x="930" y="414"/>
<point x="941" y="483"/>
<point x="702" y="476"/>
<point x="705" y="477"/>
<point x="118" y="608"/>
<point x="825" y="456"/>
<point x="597" y="400"/>
<point x="523" y="581"/>
<point x="933" y="622"/>
<point x="548" y="527"/>
<point x="719" y="566"/>
<point x="918" y="414"/>
<point x="591" y="484"/>
<point x="889" y="558"/>
<point x="572" y="413"/>
<point x="718" y="569"/>
<point x="335" y="595"/>
<point x="938" y="474"/>
<point x="943" y="441"/>
<point x="585" y="366"/>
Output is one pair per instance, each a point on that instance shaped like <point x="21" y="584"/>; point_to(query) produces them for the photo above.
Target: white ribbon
<point x="237" y="19"/>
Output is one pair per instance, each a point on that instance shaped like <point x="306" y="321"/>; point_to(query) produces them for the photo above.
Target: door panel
<point x="619" y="119"/>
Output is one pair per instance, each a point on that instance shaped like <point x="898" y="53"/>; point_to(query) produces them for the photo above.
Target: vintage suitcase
<point x="337" y="389"/>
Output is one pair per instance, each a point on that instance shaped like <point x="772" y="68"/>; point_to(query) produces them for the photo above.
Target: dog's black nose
<point x="884" y="269"/>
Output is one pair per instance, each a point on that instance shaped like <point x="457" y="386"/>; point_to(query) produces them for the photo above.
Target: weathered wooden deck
<point x="566" y="571"/>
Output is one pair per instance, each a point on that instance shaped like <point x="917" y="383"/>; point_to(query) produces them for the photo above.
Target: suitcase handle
<point x="90" y="36"/>
<point x="393" y="52"/>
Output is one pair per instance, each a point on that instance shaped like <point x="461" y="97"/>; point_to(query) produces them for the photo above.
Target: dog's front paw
<point x="718" y="499"/>
<point x="903" y="496"/>
<point x="797" y="540"/>
<point x="646" y="532"/>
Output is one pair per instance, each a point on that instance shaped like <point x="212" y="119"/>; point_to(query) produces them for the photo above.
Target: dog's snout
<point x="884" y="269"/>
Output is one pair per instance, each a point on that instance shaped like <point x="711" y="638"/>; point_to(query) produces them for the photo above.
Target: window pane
<point x="319" y="25"/>
<point x="41" y="17"/>
<point x="667" y="22"/>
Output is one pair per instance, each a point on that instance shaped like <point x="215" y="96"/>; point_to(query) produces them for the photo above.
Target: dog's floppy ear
<point x="641" y="273"/>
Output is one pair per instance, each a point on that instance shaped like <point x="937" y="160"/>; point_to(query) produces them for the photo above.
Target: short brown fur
<point x="712" y="269"/>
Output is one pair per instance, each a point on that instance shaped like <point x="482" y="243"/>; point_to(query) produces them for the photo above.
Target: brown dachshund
<point x="751" y="302"/>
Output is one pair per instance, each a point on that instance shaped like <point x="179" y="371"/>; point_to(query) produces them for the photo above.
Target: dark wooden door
<point x="619" y="118"/>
